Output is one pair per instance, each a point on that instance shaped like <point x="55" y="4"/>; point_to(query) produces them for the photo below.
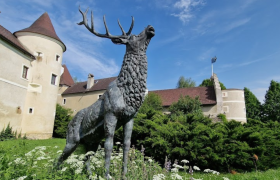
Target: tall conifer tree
<point x="253" y="105"/>
<point x="271" y="106"/>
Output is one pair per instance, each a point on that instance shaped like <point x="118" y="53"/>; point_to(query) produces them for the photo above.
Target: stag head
<point x="133" y="42"/>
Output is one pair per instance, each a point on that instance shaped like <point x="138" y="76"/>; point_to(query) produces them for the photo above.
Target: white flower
<point x="158" y="177"/>
<point x="225" y="178"/>
<point x="197" y="179"/>
<point x="216" y="172"/>
<point x="93" y="177"/>
<point x="150" y="160"/>
<point x="178" y="166"/>
<point x="55" y="146"/>
<point x="40" y="153"/>
<point x="60" y="151"/>
<point x="174" y="170"/>
<point x="29" y="154"/>
<point x="41" y="158"/>
<point x="118" y="143"/>
<point x="19" y="161"/>
<point x="89" y="153"/>
<point x="186" y="167"/>
<point x="42" y="148"/>
<point x="78" y="171"/>
<point x="185" y="161"/>
<point x="208" y="170"/>
<point x="63" y="169"/>
<point x="176" y="176"/>
<point x="196" y="168"/>
<point x="22" y="178"/>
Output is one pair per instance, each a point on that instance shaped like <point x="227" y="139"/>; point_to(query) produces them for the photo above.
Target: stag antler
<point x="107" y="35"/>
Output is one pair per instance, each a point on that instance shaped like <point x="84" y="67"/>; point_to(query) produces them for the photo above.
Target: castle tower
<point x="40" y="104"/>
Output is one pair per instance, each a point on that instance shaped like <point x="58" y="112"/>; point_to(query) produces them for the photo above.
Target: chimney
<point x="90" y="81"/>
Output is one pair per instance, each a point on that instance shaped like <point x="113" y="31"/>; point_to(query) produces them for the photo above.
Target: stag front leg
<point x="109" y="127"/>
<point x="127" y="129"/>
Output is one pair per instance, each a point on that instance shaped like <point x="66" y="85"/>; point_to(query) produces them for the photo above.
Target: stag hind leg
<point x="72" y="138"/>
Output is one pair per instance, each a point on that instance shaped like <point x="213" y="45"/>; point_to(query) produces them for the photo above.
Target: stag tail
<point x="107" y="35"/>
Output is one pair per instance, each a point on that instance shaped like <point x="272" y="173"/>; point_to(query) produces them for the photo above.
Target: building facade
<point x="30" y="62"/>
<point x="213" y="100"/>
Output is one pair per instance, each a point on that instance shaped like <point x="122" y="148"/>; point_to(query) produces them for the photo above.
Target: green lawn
<point x="13" y="150"/>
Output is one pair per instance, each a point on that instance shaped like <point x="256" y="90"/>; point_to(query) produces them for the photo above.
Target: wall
<point x="210" y="110"/>
<point x="42" y="95"/>
<point x="80" y="101"/>
<point x="13" y="87"/>
<point x="234" y="104"/>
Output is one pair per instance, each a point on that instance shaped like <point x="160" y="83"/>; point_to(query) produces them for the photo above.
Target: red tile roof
<point x="44" y="26"/>
<point x="81" y="87"/>
<point x="66" y="78"/>
<point x="8" y="37"/>
<point x="206" y="95"/>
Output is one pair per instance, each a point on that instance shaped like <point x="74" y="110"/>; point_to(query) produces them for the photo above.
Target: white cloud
<point x="207" y="54"/>
<point x="265" y="58"/>
<point x="260" y="93"/>
<point x="186" y="9"/>
<point x="85" y="62"/>
<point x="236" y="24"/>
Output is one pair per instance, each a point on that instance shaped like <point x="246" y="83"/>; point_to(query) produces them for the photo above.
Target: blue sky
<point x="243" y="34"/>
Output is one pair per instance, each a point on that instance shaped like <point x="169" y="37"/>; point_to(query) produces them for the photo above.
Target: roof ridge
<point x="180" y="88"/>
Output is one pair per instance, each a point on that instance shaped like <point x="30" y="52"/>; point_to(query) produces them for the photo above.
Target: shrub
<point x="7" y="133"/>
<point x="62" y="118"/>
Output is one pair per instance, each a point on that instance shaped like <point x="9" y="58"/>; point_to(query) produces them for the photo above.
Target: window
<point x="225" y="109"/>
<point x="24" y="72"/>
<point x="57" y="57"/>
<point x="39" y="56"/>
<point x="224" y="94"/>
<point x="30" y="110"/>
<point x="53" y="79"/>
<point x="99" y="96"/>
<point x="64" y="101"/>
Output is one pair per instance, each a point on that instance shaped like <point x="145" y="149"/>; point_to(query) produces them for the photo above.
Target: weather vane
<point x="213" y="60"/>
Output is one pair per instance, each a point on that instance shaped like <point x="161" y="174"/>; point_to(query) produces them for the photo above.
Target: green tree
<point x="151" y="106"/>
<point x="185" y="82"/>
<point x="253" y="105"/>
<point x="209" y="82"/>
<point x="62" y="118"/>
<point x="186" y="105"/>
<point x="152" y="102"/>
<point x="75" y="79"/>
<point x="271" y="106"/>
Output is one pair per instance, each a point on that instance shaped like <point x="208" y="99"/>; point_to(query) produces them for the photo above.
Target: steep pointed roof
<point x="8" y="37"/>
<point x="66" y="78"/>
<point x="44" y="26"/>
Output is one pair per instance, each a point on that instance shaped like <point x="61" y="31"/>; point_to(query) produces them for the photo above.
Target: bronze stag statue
<point x="119" y="103"/>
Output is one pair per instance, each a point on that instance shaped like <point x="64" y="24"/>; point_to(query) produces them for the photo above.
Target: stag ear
<point x="119" y="41"/>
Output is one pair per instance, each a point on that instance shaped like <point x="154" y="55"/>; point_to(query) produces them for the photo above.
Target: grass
<point x="16" y="164"/>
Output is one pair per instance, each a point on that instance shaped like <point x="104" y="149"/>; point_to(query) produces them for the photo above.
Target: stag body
<point x="119" y="103"/>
